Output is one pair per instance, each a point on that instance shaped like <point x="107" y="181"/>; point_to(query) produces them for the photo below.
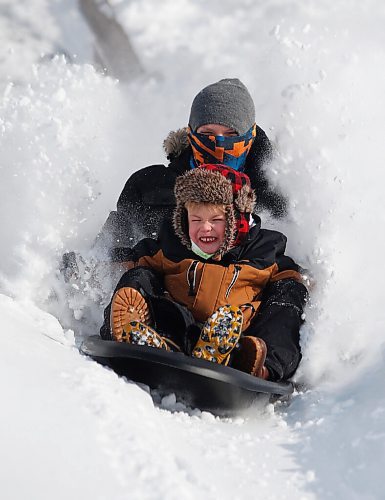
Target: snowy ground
<point x="70" y="137"/>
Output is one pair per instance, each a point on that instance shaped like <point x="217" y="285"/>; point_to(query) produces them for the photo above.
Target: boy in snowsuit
<point x="198" y="288"/>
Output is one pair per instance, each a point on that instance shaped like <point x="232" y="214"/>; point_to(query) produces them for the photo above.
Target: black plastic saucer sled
<point x="197" y="383"/>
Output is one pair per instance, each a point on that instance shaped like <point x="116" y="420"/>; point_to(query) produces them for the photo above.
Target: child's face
<point x="206" y="224"/>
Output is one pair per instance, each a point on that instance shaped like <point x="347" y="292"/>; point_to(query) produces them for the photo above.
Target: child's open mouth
<point x="208" y="239"/>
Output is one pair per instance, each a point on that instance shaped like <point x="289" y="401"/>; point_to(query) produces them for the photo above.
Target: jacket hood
<point x="176" y="142"/>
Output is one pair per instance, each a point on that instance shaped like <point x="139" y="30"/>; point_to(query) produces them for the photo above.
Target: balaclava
<point x="228" y="103"/>
<point x="217" y="185"/>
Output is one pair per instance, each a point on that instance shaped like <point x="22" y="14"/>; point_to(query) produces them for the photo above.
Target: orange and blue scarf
<point x="213" y="149"/>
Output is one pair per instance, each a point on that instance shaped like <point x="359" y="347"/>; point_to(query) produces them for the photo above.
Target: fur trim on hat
<point x="176" y="142"/>
<point x="203" y="186"/>
<point x="245" y="199"/>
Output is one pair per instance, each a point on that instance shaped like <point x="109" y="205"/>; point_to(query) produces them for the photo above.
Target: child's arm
<point x="147" y="253"/>
<point x="286" y="287"/>
<point x="281" y="314"/>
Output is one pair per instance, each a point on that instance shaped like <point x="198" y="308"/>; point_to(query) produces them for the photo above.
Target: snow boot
<point x="250" y="357"/>
<point x="127" y="305"/>
<point x="138" y="333"/>
<point x="219" y="335"/>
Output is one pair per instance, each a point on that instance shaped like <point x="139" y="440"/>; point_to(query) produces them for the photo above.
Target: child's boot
<point x="219" y="335"/>
<point x="127" y="305"/>
<point x="250" y="357"/>
<point x="138" y="333"/>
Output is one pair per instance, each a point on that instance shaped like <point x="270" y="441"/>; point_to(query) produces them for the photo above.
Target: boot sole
<point x="127" y="305"/>
<point x="219" y="335"/>
<point x="138" y="333"/>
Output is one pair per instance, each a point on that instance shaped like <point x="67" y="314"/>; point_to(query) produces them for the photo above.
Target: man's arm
<point x="278" y="322"/>
<point x="260" y="155"/>
<point x="118" y="230"/>
<point x="280" y="315"/>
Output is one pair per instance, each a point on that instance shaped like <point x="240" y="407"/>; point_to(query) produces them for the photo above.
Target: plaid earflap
<point x="242" y="228"/>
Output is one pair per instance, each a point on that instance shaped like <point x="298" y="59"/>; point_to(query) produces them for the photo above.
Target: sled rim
<point x="95" y="347"/>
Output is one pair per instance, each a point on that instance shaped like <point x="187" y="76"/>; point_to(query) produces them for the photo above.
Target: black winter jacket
<point x="148" y="196"/>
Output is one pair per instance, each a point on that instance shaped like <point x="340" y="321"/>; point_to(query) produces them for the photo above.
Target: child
<point x="212" y="284"/>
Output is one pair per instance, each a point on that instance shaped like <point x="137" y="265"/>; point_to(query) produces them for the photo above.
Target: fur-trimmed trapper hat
<point x="216" y="185"/>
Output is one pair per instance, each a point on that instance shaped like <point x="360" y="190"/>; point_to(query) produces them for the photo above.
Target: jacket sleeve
<point x="286" y="286"/>
<point x="267" y="197"/>
<point x="278" y="323"/>
<point x="130" y="221"/>
<point x="148" y="253"/>
<point x="280" y="316"/>
<point x="117" y="231"/>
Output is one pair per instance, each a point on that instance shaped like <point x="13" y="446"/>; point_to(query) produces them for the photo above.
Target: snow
<point x="70" y="137"/>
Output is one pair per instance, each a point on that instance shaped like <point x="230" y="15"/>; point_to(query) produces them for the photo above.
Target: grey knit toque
<point x="227" y="102"/>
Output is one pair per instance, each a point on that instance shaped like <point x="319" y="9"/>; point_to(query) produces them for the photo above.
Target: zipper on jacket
<point x="192" y="277"/>
<point x="237" y="270"/>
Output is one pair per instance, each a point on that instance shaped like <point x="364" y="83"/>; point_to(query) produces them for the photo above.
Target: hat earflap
<point x="180" y="224"/>
<point x="244" y="201"/>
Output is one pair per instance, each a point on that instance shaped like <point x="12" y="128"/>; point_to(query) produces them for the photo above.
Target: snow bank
<point x="56" y="142"/>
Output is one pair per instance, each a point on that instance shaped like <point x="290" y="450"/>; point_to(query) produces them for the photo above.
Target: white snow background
<point x="69" y="139"/>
